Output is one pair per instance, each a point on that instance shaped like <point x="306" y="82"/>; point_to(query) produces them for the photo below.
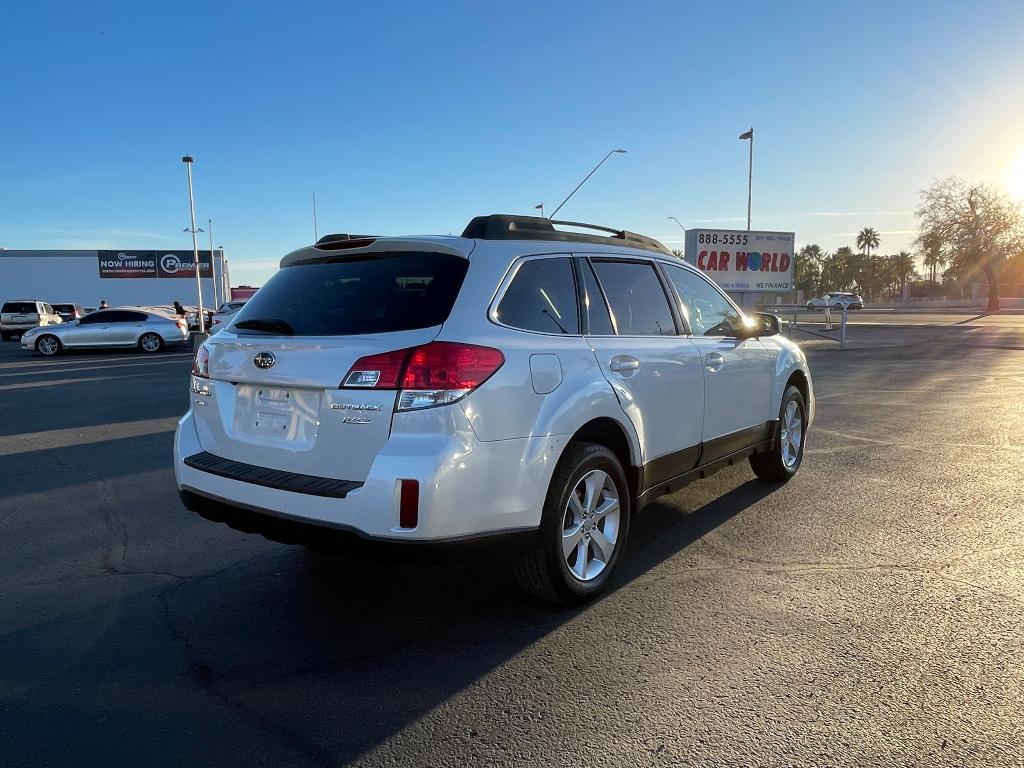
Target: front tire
<point x="781" y="462"/>
<point x="5" y="335"/>
<point x="837" y="305"/>
<point x="48" y="345"/>
<point x="150" y="342"/>
<point x="583" y="529"/>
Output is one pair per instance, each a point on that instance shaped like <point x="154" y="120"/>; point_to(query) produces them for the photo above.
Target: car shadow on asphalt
<point x="352" y="638"/>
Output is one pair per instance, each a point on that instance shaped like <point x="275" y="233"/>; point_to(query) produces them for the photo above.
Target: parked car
<point x="17" y="317"/>
<point x="519" y="386"/>
<point x="68" y="312"/>
<point x="149" y="330"/>
<point x="837" y="301"/>
<point x="224" y="314"/>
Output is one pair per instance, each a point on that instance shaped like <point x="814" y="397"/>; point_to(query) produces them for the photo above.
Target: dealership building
<point x="122" y="278"/>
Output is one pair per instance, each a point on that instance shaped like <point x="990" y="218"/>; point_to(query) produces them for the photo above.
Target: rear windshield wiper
<point x="269" y="324"/>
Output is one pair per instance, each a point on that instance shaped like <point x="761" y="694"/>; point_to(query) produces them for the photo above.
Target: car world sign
<point x="739" y="261"/>
<point x="137" y="264"/>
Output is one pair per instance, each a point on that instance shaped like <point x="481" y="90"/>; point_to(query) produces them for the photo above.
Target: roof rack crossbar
<point x="499" y="226"/>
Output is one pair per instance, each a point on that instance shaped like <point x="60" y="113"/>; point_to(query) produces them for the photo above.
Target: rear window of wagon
<point x="356" y="294"/>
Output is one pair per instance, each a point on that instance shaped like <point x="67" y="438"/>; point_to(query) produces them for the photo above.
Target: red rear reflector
<point x="340" y="245"/>
<point x="409" y="505"/>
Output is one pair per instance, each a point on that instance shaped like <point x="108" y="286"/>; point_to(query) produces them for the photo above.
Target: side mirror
<point x="761" y="324"/>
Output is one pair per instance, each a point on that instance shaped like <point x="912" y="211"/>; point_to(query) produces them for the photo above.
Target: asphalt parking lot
<point x="871" y="612"/>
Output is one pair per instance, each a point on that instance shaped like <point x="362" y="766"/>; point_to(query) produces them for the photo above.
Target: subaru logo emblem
<point x="264" y="360"/>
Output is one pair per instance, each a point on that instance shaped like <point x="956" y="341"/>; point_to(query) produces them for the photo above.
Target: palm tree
<point x="867" y="239"/>
<point x="904" y="269"/>
<point x="934" y="258"/>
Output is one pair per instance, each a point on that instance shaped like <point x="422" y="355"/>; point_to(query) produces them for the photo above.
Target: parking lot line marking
<point x="61" y="382"/>
<point x="101" y="367"/>
<point x="11" y="445"/>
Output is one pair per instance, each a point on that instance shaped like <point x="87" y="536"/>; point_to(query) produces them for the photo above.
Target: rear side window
<point x="19" y="307"/>
<point x="541" y="297"/>
<point x="365" y="293"/>
<point x="637" y="299"/>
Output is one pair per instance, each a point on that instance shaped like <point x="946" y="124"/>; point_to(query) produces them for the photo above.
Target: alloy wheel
<point x="590" y="525"/>
<point x="48" y="345"/>
<point x="792" y="434"/>
<point x="150" y="342"/>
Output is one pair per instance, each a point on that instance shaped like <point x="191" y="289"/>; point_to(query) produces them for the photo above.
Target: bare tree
<point x="978" y="228"/>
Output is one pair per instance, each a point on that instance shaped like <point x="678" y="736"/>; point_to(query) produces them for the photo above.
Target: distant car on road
<point x="17" y="317"/>
<point x="68" y="312"/>
<point x="149" y="330"/>
<point x="837" y="301"/>
<point x="223" y="315"/>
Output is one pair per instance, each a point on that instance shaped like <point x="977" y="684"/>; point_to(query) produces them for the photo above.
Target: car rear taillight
<point x="201" y="363"/>
<point x="437" y="373"/>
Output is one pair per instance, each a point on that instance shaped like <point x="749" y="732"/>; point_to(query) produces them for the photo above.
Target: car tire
<point x="48" y="345"/>
<point x="570" y="530"/>
<point x="151" y="342"/>
<point x="837" y="305"/>
<point x="783" y="459"/>
<point x="5" y="336"/>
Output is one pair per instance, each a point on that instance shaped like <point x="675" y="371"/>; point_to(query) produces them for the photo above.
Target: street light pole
<point x="187" y="160"/>
<point x="613" y="152"/>
<point x="213" y="265"/>
<point x="541" y="207"/>
<point x="677" y="221"/>
<point x="750" y="170"/>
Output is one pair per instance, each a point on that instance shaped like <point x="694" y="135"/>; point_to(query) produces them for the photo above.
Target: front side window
<point x="381" y="292"/>
<point x="707" y="311"/>
<point x="95" y="317"/>
<point x="541" y="297"/>
<point x="636" y="298"/>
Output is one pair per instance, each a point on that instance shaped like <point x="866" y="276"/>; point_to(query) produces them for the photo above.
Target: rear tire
<point x="150" y="342"/>
<point x="5" y="336"/>
<point x="48" y="345"/>
<point x="781" y="462"/>
<point x="571" y="563"/>
<point x="837" y="305"/>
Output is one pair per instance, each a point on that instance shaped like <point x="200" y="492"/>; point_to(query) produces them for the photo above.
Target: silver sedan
<point x="146" y="329"/>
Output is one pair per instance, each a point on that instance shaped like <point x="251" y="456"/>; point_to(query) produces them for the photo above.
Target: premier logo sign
<point x="142" y="264"/>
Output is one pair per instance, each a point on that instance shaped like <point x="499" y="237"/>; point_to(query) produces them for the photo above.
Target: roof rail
<point x="502" y="226"/>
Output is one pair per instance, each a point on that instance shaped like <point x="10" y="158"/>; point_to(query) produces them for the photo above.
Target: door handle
<point x="623" y="364"/>
<point x="713" y="361"/>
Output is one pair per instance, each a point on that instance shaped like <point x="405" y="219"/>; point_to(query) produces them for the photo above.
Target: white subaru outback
<point x="521" y="385"/>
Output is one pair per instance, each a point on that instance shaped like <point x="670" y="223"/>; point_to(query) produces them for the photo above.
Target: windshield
<point x="368" y="293"/>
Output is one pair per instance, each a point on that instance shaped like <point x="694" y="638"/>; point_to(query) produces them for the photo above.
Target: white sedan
<point x="146" y="329"/>
<point x="223" y="315"/>
<point x="837" y="301"/>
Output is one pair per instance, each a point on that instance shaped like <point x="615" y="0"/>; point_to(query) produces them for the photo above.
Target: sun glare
<point x="1015" y="176"/>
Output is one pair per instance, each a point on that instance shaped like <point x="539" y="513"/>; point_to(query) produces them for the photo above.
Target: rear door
<point x="654" y="371"/>
<point x="738" y="373"/>
<point x="275" y="373"/>
<point x="125" y="327"/>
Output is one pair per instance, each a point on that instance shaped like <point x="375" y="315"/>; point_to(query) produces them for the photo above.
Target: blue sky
<point x="413" y="117"/>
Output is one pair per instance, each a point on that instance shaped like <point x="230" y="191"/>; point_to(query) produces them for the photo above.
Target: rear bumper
<point x="467" y="489"/>
<point x="288" y="529"/>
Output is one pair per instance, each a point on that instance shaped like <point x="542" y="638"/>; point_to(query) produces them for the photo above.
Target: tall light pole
<point x="187" y="160"/>
<point x="316" y="234"/>
<point x="213" y="265"/>
<point x="613" y="152"/>
<point x="677" y="221"/>
<point x="749" y="135"/>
